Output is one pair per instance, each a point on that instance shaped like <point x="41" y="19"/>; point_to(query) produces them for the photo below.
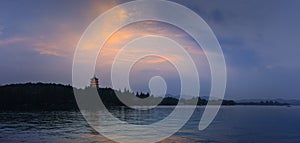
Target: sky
<point x="259" y="40"/>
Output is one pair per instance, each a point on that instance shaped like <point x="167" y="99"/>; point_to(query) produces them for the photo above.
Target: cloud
<point x="49" y="49"/>
<point x="156" y="60"/>
<point x="63" y="34"/>
<point x="146" y="28"/>
<point x="40" y="45"/>
<point x="62" y="40"/>
<point x="255" y="43"/>
<point x="99" y="6"/>
<point x="13" y="40"/>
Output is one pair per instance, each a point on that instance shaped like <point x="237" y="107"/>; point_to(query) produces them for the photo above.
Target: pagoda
<point x="94" y="82"/>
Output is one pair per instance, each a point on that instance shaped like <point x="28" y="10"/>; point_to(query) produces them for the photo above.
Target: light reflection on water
<point x="232" y="124"/>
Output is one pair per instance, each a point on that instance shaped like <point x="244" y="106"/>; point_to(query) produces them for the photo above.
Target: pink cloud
<point x="123" y="36"/>
<point x="13" y="40"/>
<point x="47" y="49"/>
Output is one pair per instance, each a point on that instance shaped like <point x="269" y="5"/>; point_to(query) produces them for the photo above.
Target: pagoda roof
<point x="94" y="78"/>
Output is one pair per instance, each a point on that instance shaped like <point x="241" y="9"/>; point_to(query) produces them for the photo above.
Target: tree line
<point x="51" y="96"/>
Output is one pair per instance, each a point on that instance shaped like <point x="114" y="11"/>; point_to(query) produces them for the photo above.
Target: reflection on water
<point x="141" y="117"/>
<point x="232" y="124"/>
<point x="144" y="127"/>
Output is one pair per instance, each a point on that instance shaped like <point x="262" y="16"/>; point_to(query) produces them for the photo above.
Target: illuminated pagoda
<point x="94" y="82"/>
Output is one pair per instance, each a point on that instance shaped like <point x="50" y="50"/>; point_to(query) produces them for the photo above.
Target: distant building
<point x="94" y="82"/>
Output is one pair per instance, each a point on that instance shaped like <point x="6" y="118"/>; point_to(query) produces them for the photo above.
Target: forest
<point x="51" y="96"/>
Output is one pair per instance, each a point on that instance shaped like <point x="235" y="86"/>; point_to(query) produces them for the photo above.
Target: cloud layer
<point x="259" y="40"/>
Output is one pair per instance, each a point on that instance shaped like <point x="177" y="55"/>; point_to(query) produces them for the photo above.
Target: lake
<point x="233" y="124"/>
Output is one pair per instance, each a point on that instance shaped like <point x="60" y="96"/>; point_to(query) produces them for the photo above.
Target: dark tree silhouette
<point x="51" y="96"/>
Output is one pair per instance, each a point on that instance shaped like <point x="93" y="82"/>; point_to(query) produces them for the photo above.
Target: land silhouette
<point x="51" y="96"/>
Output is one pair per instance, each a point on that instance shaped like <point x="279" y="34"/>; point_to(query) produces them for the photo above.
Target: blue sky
<point x="259" y="40"/>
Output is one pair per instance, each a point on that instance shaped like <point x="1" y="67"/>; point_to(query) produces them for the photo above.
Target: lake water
<point x="233" y="124"/>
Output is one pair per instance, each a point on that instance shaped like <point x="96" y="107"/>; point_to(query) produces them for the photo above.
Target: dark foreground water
<point x="232" y="124"/>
